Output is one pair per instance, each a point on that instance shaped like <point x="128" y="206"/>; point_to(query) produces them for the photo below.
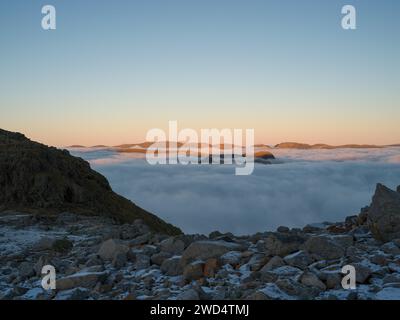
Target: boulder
<point x="172" y="245"/>
<point x="26" y="270"/>
<point x="193" y="271"/>
<point x="282" y="244"/>
<point x="204" y="250"/>
<point x="270" y="292"/>
<point x="210" y="267"/>
<point x="388" y="293"/>
<point x="311" y="280"/>
<point x="142" y="261"/>
<point x="190" y="294"/>
<point x="274" y="262"/>
<point x="80" y="279"/>
<point x="158" y="258"/>
<point x="172" y="266"/>
<point x="384" y="214"/>
<point x="232" y="257"/>
<point x="73" y="294"/>
<point x="324" y="247"/>
<point x="300" y="259"/>
<point x="363" y="272"/>
<point x="119" y="260"/>
<point x="110" y="248"/>
<point x="257" y="261"/>
<point x="391" y="248"/>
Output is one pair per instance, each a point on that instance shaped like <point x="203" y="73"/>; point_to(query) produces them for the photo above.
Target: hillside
<point x="46" y="180"/>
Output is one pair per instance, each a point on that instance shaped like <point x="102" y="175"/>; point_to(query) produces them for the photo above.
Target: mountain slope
<point x="46" y="180"/>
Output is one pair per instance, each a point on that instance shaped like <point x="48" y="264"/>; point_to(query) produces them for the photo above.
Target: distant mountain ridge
<point x="296" y="145"/>
<point x="283" y="145"/>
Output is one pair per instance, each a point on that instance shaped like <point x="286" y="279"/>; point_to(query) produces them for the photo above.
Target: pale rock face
<point x="384" y="214"/>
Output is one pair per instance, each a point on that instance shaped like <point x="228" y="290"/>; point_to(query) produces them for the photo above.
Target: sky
<point x="112" y="70"/>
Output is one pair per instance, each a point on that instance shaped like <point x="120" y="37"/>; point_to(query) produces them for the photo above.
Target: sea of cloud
<point x="307" y="186"/>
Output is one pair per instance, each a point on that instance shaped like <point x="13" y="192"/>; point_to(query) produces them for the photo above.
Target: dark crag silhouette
<point x="46" y="180"/>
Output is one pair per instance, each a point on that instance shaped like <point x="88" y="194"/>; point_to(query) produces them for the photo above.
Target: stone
<point x="210" y="267"/>
<point x="142" y="261"/>
<point x="203" y="250"/>
<point x="172" y="266"/>
<point x="282" y="244"/>
<point x="274" y="262"/>
<point x="333" y="280"/>
<point x="311" y="280"/>
<point x="119" y="260"/>
<point x="232" y="257"/>
<point x="140" y="240"/>
<point x="388" y="293"/>
<point x="384" y="214"/>
<point x="158" y="258"/>
<point x="287" y="271"/>
<point x="80" y="279"/>
<point x="296" y="289"/>
<point x="62" y="245"/>
<point x="94" y="261"/>
<point x="193" y="271"/>
<point x="110" y="248"/>
<point x="26" y="270"/>
<point x="363" y="272"/>
<point x="283" y="229"/>
<point x="300" y="259"/>
<point x="43" y="260"/>
<point x="257" y="261"/>
<point x="73" y="294"/>
<point x="190" y="294"/>
<point x="396" y="242"/>
<point x="36" y="294"/>
<point x="379" y="259"/>
<point x="343" y="240"/>
<point x="270" y="292"/>
<point x="45" y="243"/>
<point x="172" y="245"/>
<point x="215" y="234"/>
<point x="315" y="227"/>
<point x="391" y="278"/>
<point x="391" y="248"/>
<point x="132" y="231"/>
<point x="324" y="247"/>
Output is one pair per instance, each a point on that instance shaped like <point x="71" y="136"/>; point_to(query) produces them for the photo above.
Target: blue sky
<point x="114" y="69"/>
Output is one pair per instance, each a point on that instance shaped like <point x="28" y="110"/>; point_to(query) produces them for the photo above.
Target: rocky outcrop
<point x="97" y="258"/>
<point x="383" y="215"/>
<point x="114" y="261"/>
<point x="46" y="180"/>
